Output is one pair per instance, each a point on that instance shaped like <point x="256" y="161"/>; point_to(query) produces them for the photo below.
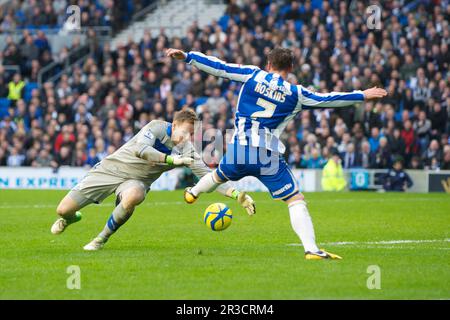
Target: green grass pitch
<point x="166" y="252"/>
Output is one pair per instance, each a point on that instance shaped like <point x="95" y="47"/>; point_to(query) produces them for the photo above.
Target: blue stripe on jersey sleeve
<point x="161" y="147"/>
<point x="334" y="97"/>
<point x="218" y="65"/>
<point x="188" y="58"/>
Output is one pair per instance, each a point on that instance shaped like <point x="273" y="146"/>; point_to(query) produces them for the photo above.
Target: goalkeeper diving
<point x="129" y="172"/>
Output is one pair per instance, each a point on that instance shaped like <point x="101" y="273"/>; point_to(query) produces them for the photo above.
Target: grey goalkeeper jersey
<point x="154" y="138"/>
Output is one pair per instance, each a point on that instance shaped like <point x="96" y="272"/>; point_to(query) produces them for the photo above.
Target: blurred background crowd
<point x="47" y="14"/>
<point x="101" y="104"/>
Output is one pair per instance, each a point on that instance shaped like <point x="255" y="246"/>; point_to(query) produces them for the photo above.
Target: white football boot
<point x="61" y="224"/>
<point x="95" y="244"/>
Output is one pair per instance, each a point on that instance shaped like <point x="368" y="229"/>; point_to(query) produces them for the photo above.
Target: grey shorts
<point x="96" y="186"/>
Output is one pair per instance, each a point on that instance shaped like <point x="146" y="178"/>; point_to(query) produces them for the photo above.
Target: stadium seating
<point x="29" y="87"/>
<point x="409" y="57"/>
<point x="4" y="105"/>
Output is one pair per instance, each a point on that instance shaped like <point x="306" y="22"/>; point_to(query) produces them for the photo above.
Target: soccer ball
<point x="218" y="216"/>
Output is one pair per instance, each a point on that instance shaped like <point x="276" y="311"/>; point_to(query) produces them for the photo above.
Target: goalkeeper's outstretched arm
<point x="153" y="156"/>
<point x="214" y="66"/>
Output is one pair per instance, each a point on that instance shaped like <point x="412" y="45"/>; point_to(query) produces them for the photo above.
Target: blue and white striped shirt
<point x="267" y="102"/>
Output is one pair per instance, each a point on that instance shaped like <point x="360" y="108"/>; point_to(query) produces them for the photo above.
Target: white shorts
<point x="96" y="186"/>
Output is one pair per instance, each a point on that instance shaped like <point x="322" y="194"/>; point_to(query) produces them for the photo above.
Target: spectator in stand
<point x="214" y="103"/>
<point x="64" y="157"/>
<point x="101" y="152"/>
<point x="374" y="139"/>
<point x="295" y="158"/>
<point x="29" y="51"/>
<point x="416" y="163"/>
<point x="366" y="155"/>
<point x="351" y="159"/>
<point x="409" y="137"/>
<point x="438" y="118"/>
<point x="421" y="93"/>
<point x="92" y="158"/>
<point x="396" y="143"/>
<point x="345" y="141"/>
<point x="422" y="127"/>
<point x="124" y="110"/>
<point x="82" y="115"/>
<point x="65" y="138"/>
<point x="15" y="158"/>
<point x="314" y="161"/>
<point x="446" y="158"/>
<point x="15" y="88"/>
<point x="44" y="159"/>
<point x="311" y="144"/>
<point x="432" y="154"/>
<point x="381" y="158"/>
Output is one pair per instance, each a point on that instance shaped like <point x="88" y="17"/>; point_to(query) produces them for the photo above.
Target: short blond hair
<point x="185" y="115"/>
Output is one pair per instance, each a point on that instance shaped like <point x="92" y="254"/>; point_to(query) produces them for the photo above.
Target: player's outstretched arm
<point x="145" y="142"/>
<point x="153" y="156"/>
<point x="310" y="99"/>
<point x="213" y="65"/>
<point x="374" y="93"/>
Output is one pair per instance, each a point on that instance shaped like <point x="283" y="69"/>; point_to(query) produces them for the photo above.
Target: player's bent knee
<point x="61" y="210"/>
<point x="132" y="197"/>
<point x="296" y="198"/>
<point x="66" y="206"/>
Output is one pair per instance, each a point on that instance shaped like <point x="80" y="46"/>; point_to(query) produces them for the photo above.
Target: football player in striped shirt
<point x="267" y="102"/>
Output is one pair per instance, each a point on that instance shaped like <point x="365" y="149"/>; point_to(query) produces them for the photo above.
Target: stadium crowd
<point x="91" y="112"/>
<point x="32" y="14"/>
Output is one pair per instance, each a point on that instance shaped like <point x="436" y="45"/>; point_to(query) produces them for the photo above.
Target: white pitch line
<point x="366" y="243"/>
<point x="43" y="206"/>
<point x="150" y="203"/>
<point x="147" y="204"/>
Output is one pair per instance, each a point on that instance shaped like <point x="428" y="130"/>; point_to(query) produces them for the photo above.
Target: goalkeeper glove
<point x="245" y="201"/>
<point x="179" y="161"/>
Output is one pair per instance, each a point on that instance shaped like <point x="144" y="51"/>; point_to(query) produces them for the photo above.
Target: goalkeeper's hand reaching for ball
<point x="179" y="160"/>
